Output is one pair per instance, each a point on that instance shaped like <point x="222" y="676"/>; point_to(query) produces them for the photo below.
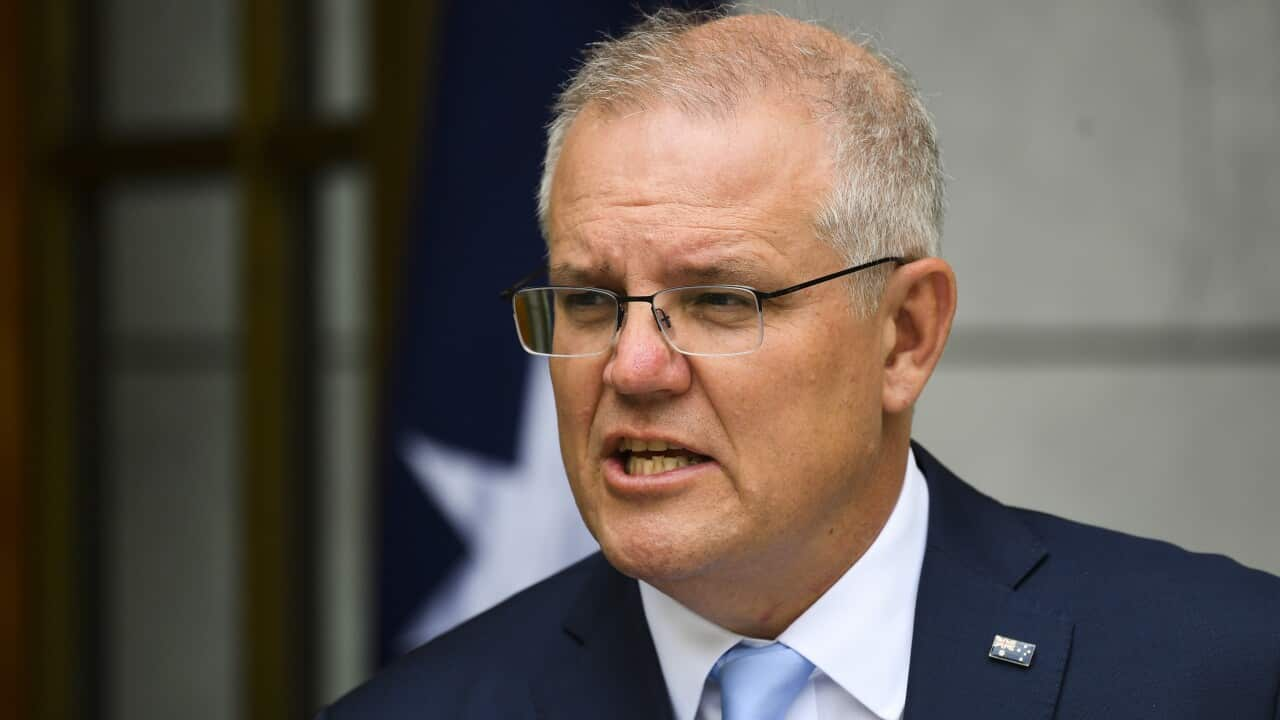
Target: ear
<point x="915" y="315"/>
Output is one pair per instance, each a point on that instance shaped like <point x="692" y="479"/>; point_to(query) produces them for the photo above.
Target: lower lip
<point x="660" y="484"/>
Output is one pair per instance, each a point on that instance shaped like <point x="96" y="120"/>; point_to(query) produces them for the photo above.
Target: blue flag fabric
<point x="474" y="503"/>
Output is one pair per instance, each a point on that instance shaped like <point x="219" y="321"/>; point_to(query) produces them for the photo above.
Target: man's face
<point x="656" y="199"/>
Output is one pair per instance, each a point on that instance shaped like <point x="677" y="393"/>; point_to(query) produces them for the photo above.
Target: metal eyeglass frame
<point x="622" y="301"/>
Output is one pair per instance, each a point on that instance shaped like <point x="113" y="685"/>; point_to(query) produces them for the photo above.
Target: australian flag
<point x="475" y="505"/>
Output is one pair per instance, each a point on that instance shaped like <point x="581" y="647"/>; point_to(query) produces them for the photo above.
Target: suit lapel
<point x="978" y="553"/>
<point x="608" y="667"/>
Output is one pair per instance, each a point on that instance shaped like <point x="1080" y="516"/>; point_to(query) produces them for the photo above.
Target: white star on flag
<point x="518" y="521"/>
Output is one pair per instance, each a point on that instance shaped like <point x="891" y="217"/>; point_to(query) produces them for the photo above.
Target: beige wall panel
<point x="1186" y="454"/>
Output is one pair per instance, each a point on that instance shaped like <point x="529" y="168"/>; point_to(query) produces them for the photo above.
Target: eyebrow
<point x="566" y="274"/>
<point x="725" y="270"/>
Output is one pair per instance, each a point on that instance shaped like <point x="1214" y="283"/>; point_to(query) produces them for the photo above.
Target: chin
<point x="663" y="540"/>
<point x="654" y="556"/>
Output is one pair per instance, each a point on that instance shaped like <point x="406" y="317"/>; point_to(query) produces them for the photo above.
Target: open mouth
<point x="650" y="457"/>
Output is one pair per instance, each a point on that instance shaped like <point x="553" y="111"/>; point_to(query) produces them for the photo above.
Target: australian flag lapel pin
<point x="1012" y="651"/>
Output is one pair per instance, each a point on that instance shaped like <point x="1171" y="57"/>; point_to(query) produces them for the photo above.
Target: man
<point x="744" y="303"/>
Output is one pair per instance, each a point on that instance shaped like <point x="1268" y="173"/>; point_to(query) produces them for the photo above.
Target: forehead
<point x="735" y="261"/>
<point x="735" y="190"/>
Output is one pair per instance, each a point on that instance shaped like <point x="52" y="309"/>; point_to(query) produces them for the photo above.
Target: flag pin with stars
<point x="1011" y="651"/>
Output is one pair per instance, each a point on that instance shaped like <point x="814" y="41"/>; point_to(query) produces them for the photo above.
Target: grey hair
<point x="887" y="194"/>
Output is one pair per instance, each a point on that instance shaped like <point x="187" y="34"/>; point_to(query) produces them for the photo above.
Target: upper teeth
<point x="651" y="463"/>
<point x="637" y="465"/>
<point x="636" y="445"/>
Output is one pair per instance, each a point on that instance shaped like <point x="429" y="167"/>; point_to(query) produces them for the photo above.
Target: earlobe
<point x="922" y="302"/>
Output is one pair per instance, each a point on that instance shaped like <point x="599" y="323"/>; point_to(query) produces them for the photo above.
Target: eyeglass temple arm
<point x="506" y="294"/>
<point x="832" y="276"/>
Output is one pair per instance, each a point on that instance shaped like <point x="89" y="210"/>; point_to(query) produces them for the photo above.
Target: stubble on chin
<point x="656" y="547"/>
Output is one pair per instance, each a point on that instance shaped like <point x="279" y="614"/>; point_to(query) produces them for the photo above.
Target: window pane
<point x="343" y="634"/>
<point x="168" y="64"/>
<point x="344" y="254"/>
<point x="170" y="512"/>
<point x="171" y="258"/>
<point x="340" y="68"/>
<point x="345" y="577"/>
<point x="171" y="557"/>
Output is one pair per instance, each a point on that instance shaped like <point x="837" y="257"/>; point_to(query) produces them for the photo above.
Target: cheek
<point x="841" y="398"/>
<point x="798" y="414"/>
<point x="576" y="385"/>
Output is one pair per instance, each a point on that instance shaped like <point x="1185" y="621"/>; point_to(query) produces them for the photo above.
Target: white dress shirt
<point x="857" y="635"/>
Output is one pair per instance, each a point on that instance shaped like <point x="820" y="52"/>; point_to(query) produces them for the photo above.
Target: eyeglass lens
<point x="698" y="320"/>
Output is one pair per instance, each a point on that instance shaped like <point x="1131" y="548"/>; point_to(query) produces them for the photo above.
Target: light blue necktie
<point x="760" y="683"/>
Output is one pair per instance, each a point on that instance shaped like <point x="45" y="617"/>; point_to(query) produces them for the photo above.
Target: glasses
<point x="700" y="320"/>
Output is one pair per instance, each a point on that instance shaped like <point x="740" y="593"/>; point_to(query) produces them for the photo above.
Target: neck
<point x="760" y="597"/>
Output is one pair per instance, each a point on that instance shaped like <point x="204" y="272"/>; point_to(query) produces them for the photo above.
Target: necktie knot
<point x="760" y="683"/>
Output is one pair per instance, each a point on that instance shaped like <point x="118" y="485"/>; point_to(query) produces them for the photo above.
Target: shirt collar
<point x="858" y="633"/>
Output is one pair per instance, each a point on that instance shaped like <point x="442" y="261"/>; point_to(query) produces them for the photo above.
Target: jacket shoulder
<point x="1155" y="630"/>
<point x="1089" y="571"/>
<point x="1157" y="626"/>
<point x="482" y="665"/>
<point x="1105" y="571"/>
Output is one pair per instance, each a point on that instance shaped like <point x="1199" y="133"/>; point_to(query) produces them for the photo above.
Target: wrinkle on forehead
<point x="698" y="227"/>
<point x="663" y="167"/>
<point x="708" y="258"/>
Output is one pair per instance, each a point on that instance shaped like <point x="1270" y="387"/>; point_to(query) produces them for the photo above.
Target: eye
<point x="585" y="306"/>
<point x="580" y="300"/>
<point x="720" y="299"/>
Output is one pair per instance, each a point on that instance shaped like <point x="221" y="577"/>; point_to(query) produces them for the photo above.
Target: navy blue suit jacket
<point x="1124" y="628"/>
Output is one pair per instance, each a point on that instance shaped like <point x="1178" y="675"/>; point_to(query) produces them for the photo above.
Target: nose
<point x="643" y="362"/>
